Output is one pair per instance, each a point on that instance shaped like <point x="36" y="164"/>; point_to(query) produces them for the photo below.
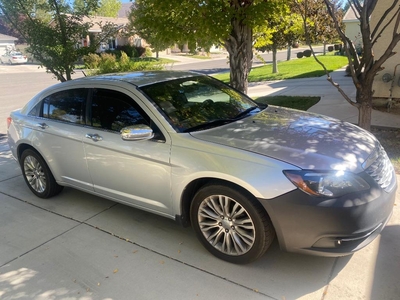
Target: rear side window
<point x="68" y="106"/>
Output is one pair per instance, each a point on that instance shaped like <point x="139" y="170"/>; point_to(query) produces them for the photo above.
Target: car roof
<point x="142" y="78"/>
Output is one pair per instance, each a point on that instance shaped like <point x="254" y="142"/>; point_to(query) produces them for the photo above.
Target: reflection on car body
<point x="188" y="147"/>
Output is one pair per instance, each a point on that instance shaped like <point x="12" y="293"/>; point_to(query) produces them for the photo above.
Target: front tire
<point x="38" y="176"/>
<point x="230" y="224"/>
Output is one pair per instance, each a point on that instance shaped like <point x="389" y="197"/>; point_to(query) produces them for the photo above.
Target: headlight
<point x="328" y="184"/>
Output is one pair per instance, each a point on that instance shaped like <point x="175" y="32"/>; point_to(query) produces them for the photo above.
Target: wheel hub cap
<point x="34" y="174"/>
<point x="226" y="225"/>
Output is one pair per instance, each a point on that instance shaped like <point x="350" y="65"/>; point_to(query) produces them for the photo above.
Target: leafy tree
<point x="318" y="26"/>
<point x="108" y="8"/>
<point x="363" y="68"/>
<point x="280" y="30"/>
<point x="80" y="6"/>
<point x="207" y="22"/>
<point x="53" y="44"/>
<point x="139" y="24"/>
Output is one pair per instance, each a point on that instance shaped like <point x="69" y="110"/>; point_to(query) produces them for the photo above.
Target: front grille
<point x="381" y="170"/>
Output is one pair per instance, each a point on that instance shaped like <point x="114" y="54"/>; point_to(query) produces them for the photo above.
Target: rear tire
<point x="38" y="176"/>
<point x="230" y="224"/>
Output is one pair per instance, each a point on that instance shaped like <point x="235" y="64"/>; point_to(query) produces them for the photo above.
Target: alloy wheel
<point x="34" y="174"/>
<point x="226" y="225"/>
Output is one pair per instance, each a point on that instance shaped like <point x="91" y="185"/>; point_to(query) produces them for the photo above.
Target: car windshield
<point x="197" y="103"/>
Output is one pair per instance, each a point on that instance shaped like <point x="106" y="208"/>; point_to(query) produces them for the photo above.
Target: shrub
<point x="91" y="61"/>
<point x="140" y="51"/>
<point x="124" y="63"/>
<point x="307" y="53"/>
<point x="128" y="49"/>
<point x="299" y="54"/>
<point x="147" y="53"/>
<point x="108" y="63"/>
<point x="116" y="53"/>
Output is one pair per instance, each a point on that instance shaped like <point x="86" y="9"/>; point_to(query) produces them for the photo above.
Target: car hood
<point x="306" y="140"/>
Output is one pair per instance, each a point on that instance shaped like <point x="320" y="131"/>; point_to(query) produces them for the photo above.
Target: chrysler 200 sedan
<point x="190" y="148"/>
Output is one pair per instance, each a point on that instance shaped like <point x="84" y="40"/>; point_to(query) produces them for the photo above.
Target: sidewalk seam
<point x="325" y="292"/>
<point x="124" y="239"/>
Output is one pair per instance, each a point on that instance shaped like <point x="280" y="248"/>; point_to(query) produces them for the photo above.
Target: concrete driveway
<point x="78" y="246"/>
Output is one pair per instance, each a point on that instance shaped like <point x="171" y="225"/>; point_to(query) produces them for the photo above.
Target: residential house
<point x="352" y="27"/>
<point x="7" y="43"/>
<point x="118" y="39"/>
<point x="387" y="82"/>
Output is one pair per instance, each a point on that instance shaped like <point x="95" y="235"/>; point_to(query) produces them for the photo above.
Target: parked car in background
<point x="188" y="147"/>
<point x="13" y="57"/>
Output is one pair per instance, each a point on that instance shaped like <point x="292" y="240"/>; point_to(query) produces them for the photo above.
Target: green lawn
<point x="296" y="68"/>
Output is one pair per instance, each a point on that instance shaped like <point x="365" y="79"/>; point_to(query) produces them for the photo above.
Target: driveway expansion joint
<point x="84" y="222"/>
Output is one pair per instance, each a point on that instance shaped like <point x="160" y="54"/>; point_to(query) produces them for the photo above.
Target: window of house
<point x="112" y="43"/>
<point x="68" y="106"/>
<point x="137" y="42"/>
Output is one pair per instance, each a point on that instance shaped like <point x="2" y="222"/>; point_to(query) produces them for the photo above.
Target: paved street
<point x="78" y="246"/>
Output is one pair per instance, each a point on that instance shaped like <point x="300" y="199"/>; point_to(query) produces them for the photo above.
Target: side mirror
<point x="137" y="133"/>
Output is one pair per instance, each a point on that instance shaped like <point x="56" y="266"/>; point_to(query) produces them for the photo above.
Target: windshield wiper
<point x="246" y="112"/>
<point x="209" y="124"/>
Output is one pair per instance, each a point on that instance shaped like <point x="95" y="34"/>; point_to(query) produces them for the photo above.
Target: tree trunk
<point x="364" y="99"/>
<point x="289" y="52"/>
<point x="274" y="60"/>
<point x="239" y="47"/>
<point x="324" y="47"/>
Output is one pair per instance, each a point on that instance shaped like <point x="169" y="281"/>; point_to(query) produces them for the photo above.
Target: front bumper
<point x="330" y="227"/>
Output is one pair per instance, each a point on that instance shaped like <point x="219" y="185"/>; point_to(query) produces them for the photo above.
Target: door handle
<point x="94" y="137"/>
<point x="42" y="125"/>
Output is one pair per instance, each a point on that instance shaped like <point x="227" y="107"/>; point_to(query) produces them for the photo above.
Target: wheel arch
<point x="24" y="146"/>
<point x="194" y="186"/>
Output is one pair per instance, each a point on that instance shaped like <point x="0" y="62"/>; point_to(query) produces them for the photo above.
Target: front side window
<point x="194" y="103"/>
<point x="113" y="110"/>
<point x="67" y="106"/>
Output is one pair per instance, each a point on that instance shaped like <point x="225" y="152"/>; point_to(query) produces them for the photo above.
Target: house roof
<point x="103" y="20"/>
<point x="124" y="10"/>
<point x="7" y="38"/>
<point x="350" y="15"/>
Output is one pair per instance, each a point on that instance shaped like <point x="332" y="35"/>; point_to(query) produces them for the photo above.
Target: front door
<point x="134" y="172"/>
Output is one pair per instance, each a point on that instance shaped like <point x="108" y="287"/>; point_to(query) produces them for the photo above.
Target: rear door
<point x="134" y="172"/>
<point x="58" y="136"/>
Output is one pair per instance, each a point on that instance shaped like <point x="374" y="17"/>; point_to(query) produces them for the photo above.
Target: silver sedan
<point x="13" y="57"/>
<point x="190" y="148"/>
